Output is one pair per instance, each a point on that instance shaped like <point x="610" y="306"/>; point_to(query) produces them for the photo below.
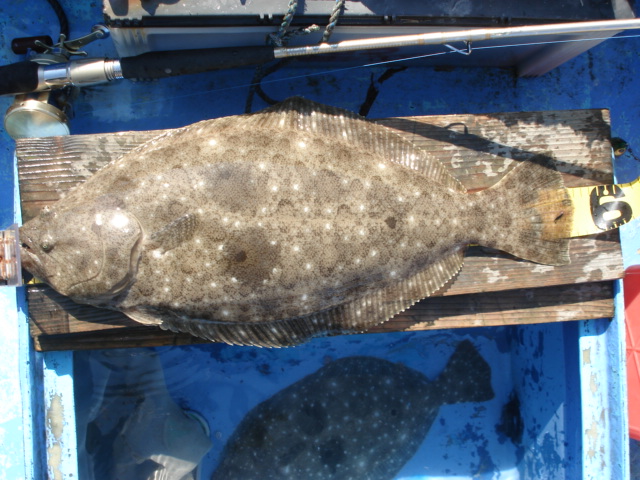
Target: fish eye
<point x="47" y="243"/>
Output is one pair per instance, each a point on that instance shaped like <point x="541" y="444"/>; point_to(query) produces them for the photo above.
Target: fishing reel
<point x="45" y="111"/>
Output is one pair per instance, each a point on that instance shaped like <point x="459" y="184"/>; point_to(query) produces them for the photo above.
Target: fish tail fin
<point x="529" y="213"/>
<point x="466" y="378"/>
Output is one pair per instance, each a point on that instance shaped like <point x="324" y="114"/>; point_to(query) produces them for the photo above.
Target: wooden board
<point x="492" y="288"/>
<point x="56" y="323"/>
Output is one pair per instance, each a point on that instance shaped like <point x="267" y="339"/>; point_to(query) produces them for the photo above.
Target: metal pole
<point x="473" y="35"/>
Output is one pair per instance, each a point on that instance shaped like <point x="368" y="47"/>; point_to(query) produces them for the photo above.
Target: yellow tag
<point x="599" y="208"/>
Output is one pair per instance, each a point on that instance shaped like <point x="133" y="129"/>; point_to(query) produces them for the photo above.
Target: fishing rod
<point x="31" y="76"/>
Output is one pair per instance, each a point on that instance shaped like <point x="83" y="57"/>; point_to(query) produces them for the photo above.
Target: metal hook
<point x="457" y="50"/>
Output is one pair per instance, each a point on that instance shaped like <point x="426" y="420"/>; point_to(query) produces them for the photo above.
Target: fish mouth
<point x="29" y="260"/>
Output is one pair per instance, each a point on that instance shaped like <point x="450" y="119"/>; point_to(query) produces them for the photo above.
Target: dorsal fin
<point x="81" y="154"/>
<point x="49" y="167"/>
<point x="302" y="114"/>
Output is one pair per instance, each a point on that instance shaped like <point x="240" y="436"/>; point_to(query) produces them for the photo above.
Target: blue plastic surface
<point x="547" y="364"/>
<point x="467" y="440"/>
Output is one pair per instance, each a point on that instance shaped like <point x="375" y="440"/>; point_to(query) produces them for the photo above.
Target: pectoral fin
<point x="143" y="316"/>
<point x="175" y="233"/>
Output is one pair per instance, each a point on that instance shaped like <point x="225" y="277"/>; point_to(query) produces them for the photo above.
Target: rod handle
<point x="21" y="77"/>
<point x="163" y="64"/>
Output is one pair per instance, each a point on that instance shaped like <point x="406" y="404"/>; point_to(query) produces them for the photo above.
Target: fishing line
<point x="277" y="80"/>
<point x="345" y="69"/>
<point x="554" y="41"/>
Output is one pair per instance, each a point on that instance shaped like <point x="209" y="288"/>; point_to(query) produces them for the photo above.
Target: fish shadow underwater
<point x="356" y="418"/>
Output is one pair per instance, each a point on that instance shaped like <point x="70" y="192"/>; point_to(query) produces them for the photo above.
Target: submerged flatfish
<point x="359" y="418"/>
<point x="271" y="228"/>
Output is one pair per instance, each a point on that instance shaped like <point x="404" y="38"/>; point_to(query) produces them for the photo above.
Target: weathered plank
<point x="509" y="307"/>
<point x="492" y="289"/>
<point x="74" y="327"/>
<point x="45" y="172"/>
<point x="480" y="149"/>
<point x="593" y="259"/>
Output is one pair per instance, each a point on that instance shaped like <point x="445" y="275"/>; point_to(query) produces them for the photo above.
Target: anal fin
<point x="356" y="316"/>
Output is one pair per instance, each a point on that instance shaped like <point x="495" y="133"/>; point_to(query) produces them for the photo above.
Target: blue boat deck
<point x="569" y="377"/>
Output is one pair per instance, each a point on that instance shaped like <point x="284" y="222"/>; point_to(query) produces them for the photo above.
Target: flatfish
<point x="272" y="228"/>
<point x="359" y="418"/>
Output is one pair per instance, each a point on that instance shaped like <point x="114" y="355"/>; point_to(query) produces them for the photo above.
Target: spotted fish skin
<point x="359" y="418"/>
<point x="272" y="228"/>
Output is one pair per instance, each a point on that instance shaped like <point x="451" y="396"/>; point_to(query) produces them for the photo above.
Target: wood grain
<point x="59" y="324"/>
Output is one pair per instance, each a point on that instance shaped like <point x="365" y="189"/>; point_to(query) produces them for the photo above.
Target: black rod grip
<point x="22" y="45"/>
<point x="21" y="77"/>
<point x="153" y="65"/>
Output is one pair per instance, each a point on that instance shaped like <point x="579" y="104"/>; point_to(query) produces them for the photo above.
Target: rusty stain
<point x="593" y="383"/>
<point x="55" y="424"/>
<point x="586" y="356"/>
<point x="592" y="434"/>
